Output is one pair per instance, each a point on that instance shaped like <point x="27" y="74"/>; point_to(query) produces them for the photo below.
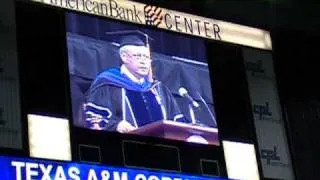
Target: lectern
<point x="179" y="131"/>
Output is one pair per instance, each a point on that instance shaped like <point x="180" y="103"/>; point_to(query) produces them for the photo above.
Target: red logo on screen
<point x="153" y="15"/>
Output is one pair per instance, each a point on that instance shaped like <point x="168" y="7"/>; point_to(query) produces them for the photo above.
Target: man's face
<point x="137" y="60"/>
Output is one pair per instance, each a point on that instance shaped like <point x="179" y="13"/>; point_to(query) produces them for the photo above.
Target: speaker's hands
<point x="124" y="127"/>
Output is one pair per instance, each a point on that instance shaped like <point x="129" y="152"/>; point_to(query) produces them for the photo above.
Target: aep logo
<point x="263" y="111"/>
<point x="270" y="155"/>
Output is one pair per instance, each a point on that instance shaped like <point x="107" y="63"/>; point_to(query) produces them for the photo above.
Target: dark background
<point x="45" y="89"/>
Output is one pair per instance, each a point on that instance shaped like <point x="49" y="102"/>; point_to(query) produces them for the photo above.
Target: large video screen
<point x="132" y="79"/>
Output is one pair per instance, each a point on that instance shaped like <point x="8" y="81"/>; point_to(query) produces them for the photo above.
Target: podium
<point x="178" y="131"/>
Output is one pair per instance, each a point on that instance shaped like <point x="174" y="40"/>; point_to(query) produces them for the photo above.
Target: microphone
<point x="184" y="93"/>
<point x="211" y="114"/>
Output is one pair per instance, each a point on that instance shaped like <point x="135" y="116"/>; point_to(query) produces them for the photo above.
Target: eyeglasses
<point x="140" y="56"/>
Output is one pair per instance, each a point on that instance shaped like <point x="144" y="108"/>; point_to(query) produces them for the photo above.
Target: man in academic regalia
<point x="126" y="98"/>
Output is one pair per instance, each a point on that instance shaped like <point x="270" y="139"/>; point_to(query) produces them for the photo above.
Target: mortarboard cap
<point x="132" y="37"/>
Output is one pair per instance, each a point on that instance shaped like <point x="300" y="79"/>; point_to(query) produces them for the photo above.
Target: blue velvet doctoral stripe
<point x="143" y="102"/>
<point x="144" y="106"/>
<point x="114" y="77"/>
<point x="94" y="113"/>
<point x="103" y="113"/>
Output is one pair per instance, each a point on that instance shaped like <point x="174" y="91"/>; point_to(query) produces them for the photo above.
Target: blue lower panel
<point x="33" y="169"/>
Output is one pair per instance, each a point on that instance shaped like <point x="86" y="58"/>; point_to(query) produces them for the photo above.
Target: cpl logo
<point x="255" y="67"/>
<point x="153" y="15"/>
<point x="263" y="111"/>
<point x="270" y="155"/>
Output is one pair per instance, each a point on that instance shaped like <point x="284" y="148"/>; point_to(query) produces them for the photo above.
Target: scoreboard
<point x="116" y="89"/>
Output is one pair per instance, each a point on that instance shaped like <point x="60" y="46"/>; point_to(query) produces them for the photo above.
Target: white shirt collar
<point x="125" y="70"/>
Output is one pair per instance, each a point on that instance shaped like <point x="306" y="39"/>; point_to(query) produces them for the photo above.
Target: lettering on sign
<point x="33" y="170"/>
<point x="109" y="8"/>
<point x="169" y="20"/>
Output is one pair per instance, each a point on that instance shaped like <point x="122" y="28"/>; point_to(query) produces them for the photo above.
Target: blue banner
<point x="31" y="169"/>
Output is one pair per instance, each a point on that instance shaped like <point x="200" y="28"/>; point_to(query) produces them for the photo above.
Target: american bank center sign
<point x="169" y="20"/>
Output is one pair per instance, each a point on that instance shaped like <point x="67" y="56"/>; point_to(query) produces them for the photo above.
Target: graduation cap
<point x="132" y="37"/>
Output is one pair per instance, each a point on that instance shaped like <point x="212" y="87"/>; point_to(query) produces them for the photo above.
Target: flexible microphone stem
<point x="211" y="115"/>
<point x="184" y="93"/>
<point x="192" y="115"/>
<point x="192" y="104"/>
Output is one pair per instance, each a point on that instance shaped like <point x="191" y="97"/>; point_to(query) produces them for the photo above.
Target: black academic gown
<point x="113" y="97"/>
